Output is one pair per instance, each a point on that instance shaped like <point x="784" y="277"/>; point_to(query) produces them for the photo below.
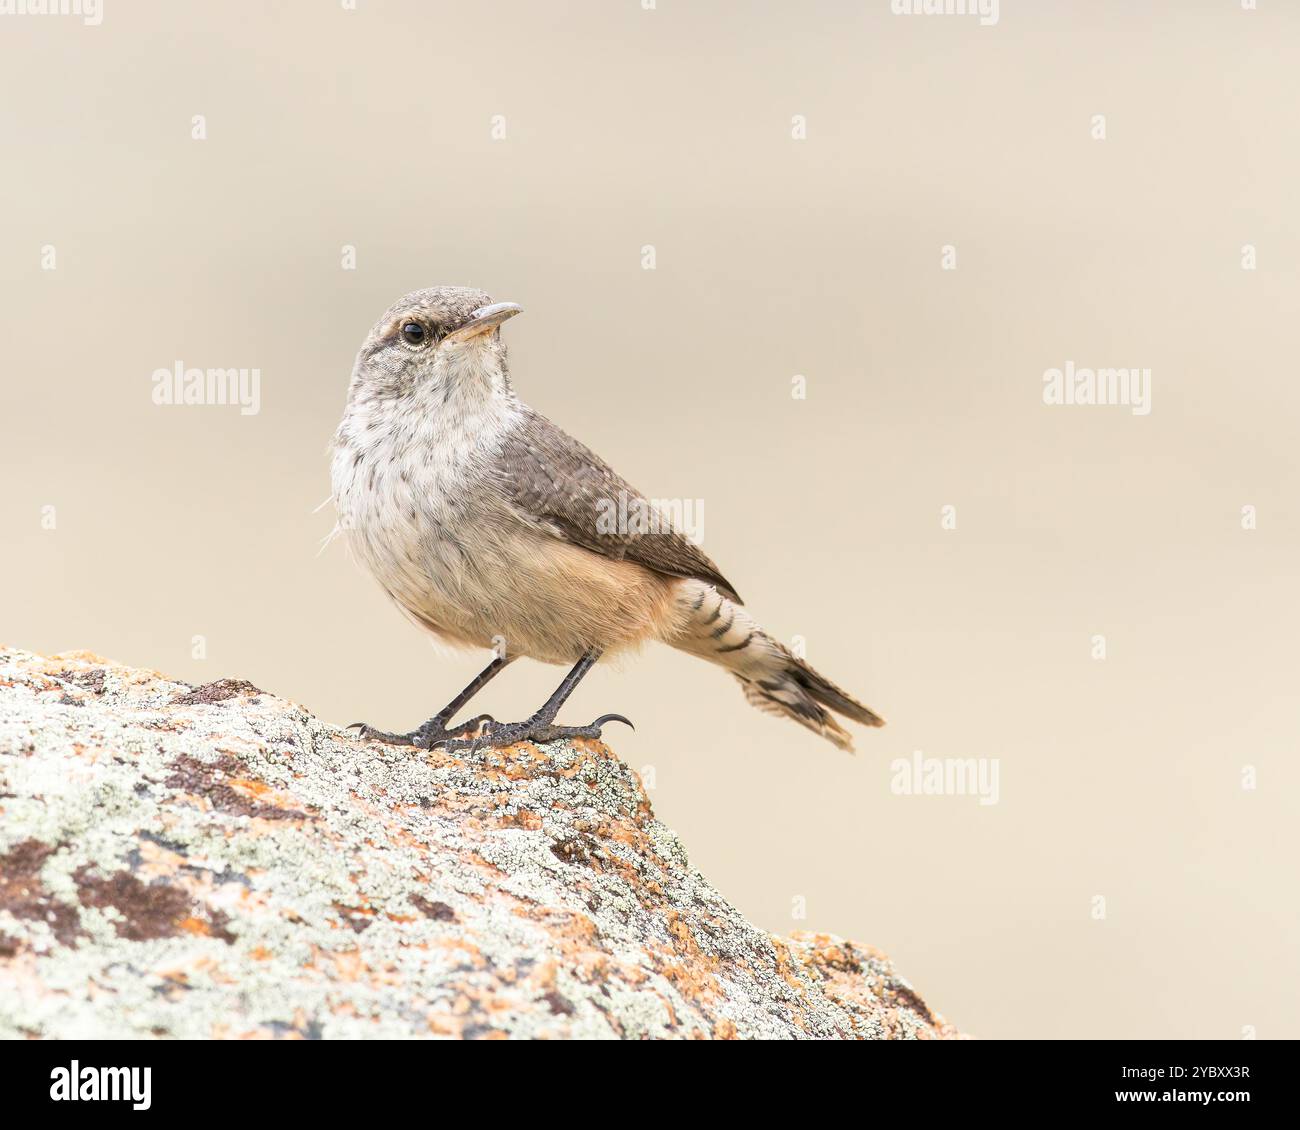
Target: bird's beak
<point x="485" y="318"/>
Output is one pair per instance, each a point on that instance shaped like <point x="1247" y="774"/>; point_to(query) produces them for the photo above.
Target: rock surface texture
<point x="215" y="862"/>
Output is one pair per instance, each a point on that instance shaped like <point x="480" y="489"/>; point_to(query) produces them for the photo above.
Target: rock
<point x="215" y="862"/>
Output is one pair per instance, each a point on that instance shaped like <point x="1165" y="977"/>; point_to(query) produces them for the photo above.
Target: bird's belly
<point x="461" y="564"/>
<point x="545" y="598"/>
<point x="403" y="528"/>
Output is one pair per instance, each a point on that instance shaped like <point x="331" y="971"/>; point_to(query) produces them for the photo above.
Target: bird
<point x="489" y="527"/>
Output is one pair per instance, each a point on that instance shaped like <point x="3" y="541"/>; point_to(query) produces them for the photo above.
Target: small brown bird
<point x="490" y="527"/>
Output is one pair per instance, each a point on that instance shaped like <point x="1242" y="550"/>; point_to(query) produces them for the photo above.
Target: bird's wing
<point x="575" y="495"/>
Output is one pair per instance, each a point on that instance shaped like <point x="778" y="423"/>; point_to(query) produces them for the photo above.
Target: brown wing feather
<point x="560" y="483"/>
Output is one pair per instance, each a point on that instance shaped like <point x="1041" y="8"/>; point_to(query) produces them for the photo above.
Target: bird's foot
<point x="423" y="737"/>
<point x="498" y="735"/>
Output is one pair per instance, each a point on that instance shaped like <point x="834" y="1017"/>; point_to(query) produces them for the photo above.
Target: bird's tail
<point x="772" y="677"/>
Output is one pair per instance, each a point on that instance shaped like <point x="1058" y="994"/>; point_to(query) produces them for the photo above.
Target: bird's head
<point x="446" y="338"/>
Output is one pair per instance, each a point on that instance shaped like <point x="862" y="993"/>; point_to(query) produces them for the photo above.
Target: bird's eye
<point x="413" y="332"/>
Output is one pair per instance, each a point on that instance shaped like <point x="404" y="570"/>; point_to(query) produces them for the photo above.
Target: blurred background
<point x="798" y="172"/>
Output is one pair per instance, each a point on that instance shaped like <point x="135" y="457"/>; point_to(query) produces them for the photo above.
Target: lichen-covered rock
<point x="215" y="862"/>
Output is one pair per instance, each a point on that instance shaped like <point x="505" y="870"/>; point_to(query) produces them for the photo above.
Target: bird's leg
<point x="435" y="729"/>
<point x="540" y="727"/>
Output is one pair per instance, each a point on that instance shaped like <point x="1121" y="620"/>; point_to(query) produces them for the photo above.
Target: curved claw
<point x="599" y="722"/>
<point x="426" y="739"/>
<point x="484" y="722"/>
<point x="367" y="733"/>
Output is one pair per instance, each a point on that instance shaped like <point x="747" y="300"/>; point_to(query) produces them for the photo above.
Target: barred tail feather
<point x="772" y="678"/>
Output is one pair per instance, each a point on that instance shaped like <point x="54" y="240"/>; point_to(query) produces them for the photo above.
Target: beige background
<point x="1120" y="778"/>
